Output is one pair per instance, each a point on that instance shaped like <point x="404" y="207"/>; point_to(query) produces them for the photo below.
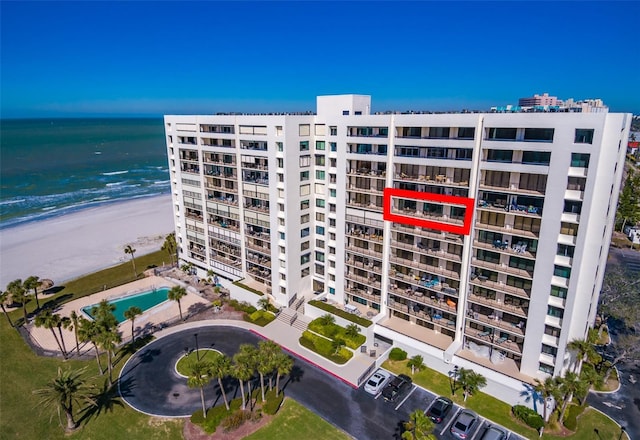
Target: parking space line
<point x="405" y="399"/>
<point x="378" y="395"/>
<point x="448" y="425"/>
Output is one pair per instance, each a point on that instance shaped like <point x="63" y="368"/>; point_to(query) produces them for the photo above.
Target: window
<point x="499" y="155"/>
<point x="568" y="229"/>
<point x="565" y="250"/>
<point x="555" y="312"/>
<point x="305" y="272"/>
<point x="321" y="129"/>
<point x="538" y="134"/>
<point x="332" y="222"/>
<point x="304" y="218"/>
<point x="320" y="256"/>
<point x="304" y="232"/>
<point x="411" y="132"/>
<point x="544" y="368"/>
<point x="319" y="269"/>
<point x="332" y="291"/>
<point x="281" y="235"/>
<point x="320" y="203"/>
<point x="304" y="175"/>
<point x="572" y="206"/>
<point x="536" y="157"/>
<point x="332" y="192"/>
<point x="580" y="160"/>
<point x="319" y="145"/>
<point x="333" y="131"/>
<point x="319" y="216"/>
<point x="320" y="230"/>
<point x="345" y="112"/>
<point x="319" y="243"/>
<point x="332" y="250"/>
<point x="558" y="292"/>
<point x="320" y="160"/>
<point x="333" y="162"/>
<point x="305" y="161"/>
<point x="280" y="146"/>
<point x="281" y="207"/>
<point x="304" y="146"/>
<point x="466" y="132"/>
<point x="283" y="277"/>
<point x="283" y="290"/>
<point x="332" y="206"/>
<point x="304" y="130"/>
<point x="506" y="134"/>
<point x="304" y="245"/>
<point x="305" y="258"/>
<point x="561" y="271"/>
<point x="439" y="132"/>
<point x="305" y="190"/>
<point x="583" y="136"/>
<point x="304" y="204"/>
<point x="551" y="331"/>
<point x="547" y="349"/>
<point x="320" y="175"/>
<point x="280" y="163"/>
<point x="333" y="146"/>
<point x="332" y="236"/>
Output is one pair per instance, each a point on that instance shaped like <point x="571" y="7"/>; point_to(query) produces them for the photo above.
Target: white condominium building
<point x="295" y="205"/>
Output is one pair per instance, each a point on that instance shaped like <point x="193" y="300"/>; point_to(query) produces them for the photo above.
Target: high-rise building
<point x="295" y="205"/>
<point x="537" y="100"/>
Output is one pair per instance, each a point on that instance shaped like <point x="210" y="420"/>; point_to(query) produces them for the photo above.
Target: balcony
<point x="437" y="180"/>
<point x="506" y="306"/>
<point x="360" y="293"/>
<point x="525" y="211"/>
<point x="503" y="247"/>
<point x="504" y="268"/>
<point x="447" y="305"/>
<point x="492" y="320"/>
<point x="432" y="335"/>
<point x="494" y="340"/>
<point x="413" y="264"/>
<point x="511" y="189"/>
<point x="369" y="281"/>
<point x="484" y="282"/>
<point x="422" y="249"/>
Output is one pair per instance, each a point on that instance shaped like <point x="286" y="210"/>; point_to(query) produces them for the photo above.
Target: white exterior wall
<point x="591" y="243"/>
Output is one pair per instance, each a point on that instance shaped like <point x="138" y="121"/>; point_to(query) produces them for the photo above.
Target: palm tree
<point x="103" y="315"/>
<point x="88" y="331"/>
<point x="243" y="371"/>
<point x="4" y="297"/>
<point x="416" y="363"/>
<point x="199" y="376"/>
<point x="419" y="427"/>
<point x="266" y="356"/>
<point x="570" y="384"/>
<point x="263" y="303"/>
<point x="220" y="368"/>
<point x="33" y="282"/>
<point x="337" y="344"/>
<point x="176" y="294"/>
<point x="284" y="365"/>
<point x="131" y="251"/>
<point x="591" y="377"/>
<point x="20" y="295"/>
<point x="63" y="322"/>
<point x="131" y="314"/>
<point x="550" y="388"/>
<point x="470" y="381"/>
<point x="48" y="320"/>
<point x="108" y="339"/>
<point x="170" y="246"/>
<point x="352" y="331"/>
<point x="67" y="389"/>
<point x="326" y="319"/>
<point x="584" y="352"/>
<point x="74" y="323"/>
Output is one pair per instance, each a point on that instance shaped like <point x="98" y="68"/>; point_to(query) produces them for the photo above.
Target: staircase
<point x="294" y="319"/>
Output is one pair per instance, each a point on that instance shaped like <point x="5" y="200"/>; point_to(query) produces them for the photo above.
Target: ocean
<point x="50" y="167"/>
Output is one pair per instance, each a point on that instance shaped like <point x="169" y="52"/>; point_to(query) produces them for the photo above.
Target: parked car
<point x="494" y="433"/>
<point x="439" y="409"/>
<point x="464" y="424"/>
<point x="376" y="383"/>
<point x="397" y="387"/>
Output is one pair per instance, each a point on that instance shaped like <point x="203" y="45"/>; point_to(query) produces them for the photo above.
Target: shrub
<point x="260" y="317"/>
<point x="242" y="306"/>
<point x="528" y="416"/>
<point x="335" y="331"/>
<point x="324" y="347"/>
<point x="272" y="405"/>
<point x="397" y="354"/>
<point x="235" y="420"/>
<point x="197" y="418"/>
<point x="216" y="414"/>
<point x="571" y="417"/>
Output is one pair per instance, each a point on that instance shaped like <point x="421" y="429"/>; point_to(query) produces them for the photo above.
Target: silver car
<point x="376" y="382"/>
<point x="494" y="433"/>
<point x="464" y="424"/>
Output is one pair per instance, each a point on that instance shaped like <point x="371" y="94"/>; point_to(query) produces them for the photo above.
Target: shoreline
<point x="67" y="246"/>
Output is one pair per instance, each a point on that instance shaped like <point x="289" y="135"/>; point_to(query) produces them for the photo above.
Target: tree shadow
<point x="104" y="401"/>
<point x="399" y="430"/>
<point x="129" y="349"/>
<point x="295" y="376"/>
<point x="531" y="395"/>
<point x="197" y="308"/>
<point x="144" y="358"/>
<point x="125" y="387"/>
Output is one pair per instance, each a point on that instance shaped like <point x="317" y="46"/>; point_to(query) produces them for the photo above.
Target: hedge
<point x="272" y="405"/>
<point x="528" y="416"/>
<point x="397" y="354"/>
<point x="242" y="306"/>
<point x="245" y="287"/>
<point x="216" y="414"/>
<point x="334" y="331"/>
<point x="341" y="313"/>
<point x="260" y="317"/>
<point x="324" y="348"/>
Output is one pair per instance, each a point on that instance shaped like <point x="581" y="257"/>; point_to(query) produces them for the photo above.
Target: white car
<point x="376" y="383"/>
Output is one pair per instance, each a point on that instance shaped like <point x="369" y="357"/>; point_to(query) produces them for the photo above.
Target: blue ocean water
<point x="51" y="167"/>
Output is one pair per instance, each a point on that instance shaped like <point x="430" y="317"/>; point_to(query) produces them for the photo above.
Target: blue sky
<point x="152" y="58"/>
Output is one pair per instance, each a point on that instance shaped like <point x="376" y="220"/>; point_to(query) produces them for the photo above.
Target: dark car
<point x="397" y="387"/>
<point x="464" y="424"/>
<point x="439" y="409"/>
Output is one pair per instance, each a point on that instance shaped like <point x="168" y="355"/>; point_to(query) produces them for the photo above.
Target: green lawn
<point x="498" y="411"/>
<point x="295" y="421"/>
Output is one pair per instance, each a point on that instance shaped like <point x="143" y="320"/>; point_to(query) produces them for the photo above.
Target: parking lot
<point x="419" y="398"/>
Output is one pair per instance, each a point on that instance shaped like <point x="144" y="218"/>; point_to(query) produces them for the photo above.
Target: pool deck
<point x="155" y="316"/>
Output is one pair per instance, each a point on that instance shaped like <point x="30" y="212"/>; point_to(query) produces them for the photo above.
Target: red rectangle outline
<point x="468" y="204"/>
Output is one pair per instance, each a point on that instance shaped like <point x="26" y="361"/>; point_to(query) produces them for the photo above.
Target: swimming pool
<point x="144" y="300"/>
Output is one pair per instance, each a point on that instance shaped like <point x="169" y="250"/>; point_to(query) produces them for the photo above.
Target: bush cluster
<point x="215" y="415"/>
<point x="571" y="417"/>
<point x="242" y="306"/>
<point x="272" y="405"/>
<point x="341" y="313"/>
<point x="397" y="354"/>
<point x="334" y="331"/>
<point x="235" y="420"/>
<point x="260" y="317"/>
<point x="324" y="347"/>
<point x="197" y="418"/>
<point x="528" y="416"/>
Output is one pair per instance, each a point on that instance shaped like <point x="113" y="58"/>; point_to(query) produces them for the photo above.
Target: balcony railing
<point x="412" y="264"/>
<point x="482" y="281"/>
<point x="498" y="267"/>
<point x="505" y="306"/>
<point x="516" y="328"/>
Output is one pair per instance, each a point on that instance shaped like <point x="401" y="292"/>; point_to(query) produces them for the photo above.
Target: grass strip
<point x="341" y="313"/>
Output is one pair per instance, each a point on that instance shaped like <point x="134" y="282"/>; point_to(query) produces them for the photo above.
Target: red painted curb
<point x="309" y="361"/>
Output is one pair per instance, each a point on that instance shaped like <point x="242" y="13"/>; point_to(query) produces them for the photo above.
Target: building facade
<point x="294" y="205"/>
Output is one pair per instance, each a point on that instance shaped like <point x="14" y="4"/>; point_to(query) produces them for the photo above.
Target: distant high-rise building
<point x="536" y="100"/>
<point x="294" y="205"/>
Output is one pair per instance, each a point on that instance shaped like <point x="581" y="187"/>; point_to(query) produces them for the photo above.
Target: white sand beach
<point x="65" y="247"/>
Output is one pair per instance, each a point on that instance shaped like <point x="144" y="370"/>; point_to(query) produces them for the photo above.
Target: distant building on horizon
<point x="544" y="102"/>
<point x="537" y="100"/>
<point x="298" y="207"/>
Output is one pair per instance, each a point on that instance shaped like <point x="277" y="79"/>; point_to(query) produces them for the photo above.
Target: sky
<point x="145" y="58"/>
